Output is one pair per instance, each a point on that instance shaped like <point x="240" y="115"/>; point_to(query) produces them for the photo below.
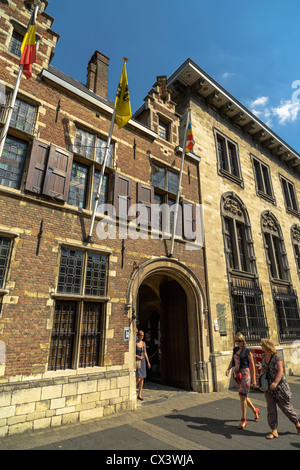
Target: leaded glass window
<point x="23" y="116"/>
<point x="4" y="254"/>
<point x="12" y="162"/>
<point x="70" y="272"/>
<point x="78" y="185"/>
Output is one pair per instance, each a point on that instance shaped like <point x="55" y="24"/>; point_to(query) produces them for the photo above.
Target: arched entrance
<point x="165" y="296"/>
<point x="162" y="308"/>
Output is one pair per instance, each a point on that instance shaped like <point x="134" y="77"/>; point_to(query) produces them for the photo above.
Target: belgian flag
<point x="28" y="48"/>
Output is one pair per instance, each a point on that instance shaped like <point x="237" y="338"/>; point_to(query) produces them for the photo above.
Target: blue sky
<point x="251" y="48"/>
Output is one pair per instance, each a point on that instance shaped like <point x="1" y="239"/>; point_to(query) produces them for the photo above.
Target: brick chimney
<point x="97" y="74"/>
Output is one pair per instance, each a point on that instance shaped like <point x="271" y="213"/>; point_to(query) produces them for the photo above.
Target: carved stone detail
<point x="233" y="206"/>
<point x="269" y="223"/>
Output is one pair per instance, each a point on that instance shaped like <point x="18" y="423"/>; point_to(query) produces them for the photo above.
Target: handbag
<point x="138" y="364"/>
<point x="263" y="382"/>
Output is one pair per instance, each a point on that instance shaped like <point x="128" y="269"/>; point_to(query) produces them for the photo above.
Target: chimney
<point x="97" y="74"/>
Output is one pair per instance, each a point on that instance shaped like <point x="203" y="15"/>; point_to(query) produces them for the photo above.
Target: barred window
<point x="287" y="312"/>
<point x="77" y="338"/>
<point x="249" y="309"/>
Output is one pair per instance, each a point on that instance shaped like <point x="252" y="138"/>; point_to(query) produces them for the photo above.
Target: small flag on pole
<point x="122" y="101"/>
<point x="28" y="48"/>
<point x="190" y="141"/>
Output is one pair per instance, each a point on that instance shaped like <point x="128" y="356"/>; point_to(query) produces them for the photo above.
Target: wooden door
<point x="175" y="345"/>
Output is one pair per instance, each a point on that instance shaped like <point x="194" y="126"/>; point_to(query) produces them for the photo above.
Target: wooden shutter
<point x="189" y="220"/>
<point x="58" y="173"/>
<point x="145" y="196"/>
<point x="37" y="167"/>
<point x="122" y="195"/>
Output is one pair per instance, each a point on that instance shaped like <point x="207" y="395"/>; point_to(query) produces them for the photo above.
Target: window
<point x="228" y="159"/>
<point x="249" y="309"/>
<point x="163" y="130"/>
<point x="12" y="162"/>
<point x="16" y="43"/>
<point x="295" y="233"/>
<point x="93" y="147"/>
<point x="238" y="243"/>
<point x="262" y="179"/>
<point x="77" y="325"/>
<point x="166" y="187"/>
<point x="23" y="116"/>
<point x="5" y="244"/>
<point x="164" y="179"/>
<point x="79" y="186"/>
<point x="289" y="195"/>
<point x="275" y="249"/>
<point x="287" y="313"/>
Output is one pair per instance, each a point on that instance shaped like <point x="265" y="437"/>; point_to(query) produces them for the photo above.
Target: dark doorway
<point x="162" y="307"/>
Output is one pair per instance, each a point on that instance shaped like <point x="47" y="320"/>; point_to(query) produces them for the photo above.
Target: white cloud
<point x="261" y="101"/>
<point x="228" y="75"/>
<point x="287" y="111"/>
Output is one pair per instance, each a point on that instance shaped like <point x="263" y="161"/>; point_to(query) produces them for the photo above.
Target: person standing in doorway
<point x="279" y="393"/>
<point x="152" y="347"/>
<point x="141" y="354"/>
<point x="242" y="361"/>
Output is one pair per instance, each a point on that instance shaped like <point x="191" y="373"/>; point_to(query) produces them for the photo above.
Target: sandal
<point x="298" y="428"/>
<point x="242" y="424"/>
<point x="272" y="436"/>
<point x="257" y="413"/>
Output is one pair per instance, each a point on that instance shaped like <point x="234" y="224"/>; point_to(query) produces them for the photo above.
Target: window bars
<point x="287" y="312"/>
<point x="249" y="313"/>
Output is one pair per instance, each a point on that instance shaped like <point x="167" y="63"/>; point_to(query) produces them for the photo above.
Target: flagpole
<point x="179" y="187"/>
<point x="89" y="237"/>
<point x="14" y="96"/>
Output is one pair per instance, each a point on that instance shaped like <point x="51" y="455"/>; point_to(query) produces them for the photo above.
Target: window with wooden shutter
<point x="58" y="173"/>
<point x="37" y="167"/>
<point x="145" y="196"/>
<point x="122" y="195"/>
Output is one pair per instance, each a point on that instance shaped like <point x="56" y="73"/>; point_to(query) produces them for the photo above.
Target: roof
<point x="63" y="80"/>
<point x="189" y="74"/>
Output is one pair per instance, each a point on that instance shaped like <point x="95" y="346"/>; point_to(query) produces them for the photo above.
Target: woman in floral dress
<point x="242" y="361"/>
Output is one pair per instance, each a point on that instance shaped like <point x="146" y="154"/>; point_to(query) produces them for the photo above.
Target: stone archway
<point x="151" y="273"/>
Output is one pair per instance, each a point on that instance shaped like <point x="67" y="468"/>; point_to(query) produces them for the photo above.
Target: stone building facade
<point x="250" y="193"/>
<point x="69" y="308"/>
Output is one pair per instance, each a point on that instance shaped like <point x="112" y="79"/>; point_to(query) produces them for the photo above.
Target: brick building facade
<point x="69" y="308"/>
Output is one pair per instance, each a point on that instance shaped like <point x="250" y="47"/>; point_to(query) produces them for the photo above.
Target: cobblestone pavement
<point x="170" y="420"/>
